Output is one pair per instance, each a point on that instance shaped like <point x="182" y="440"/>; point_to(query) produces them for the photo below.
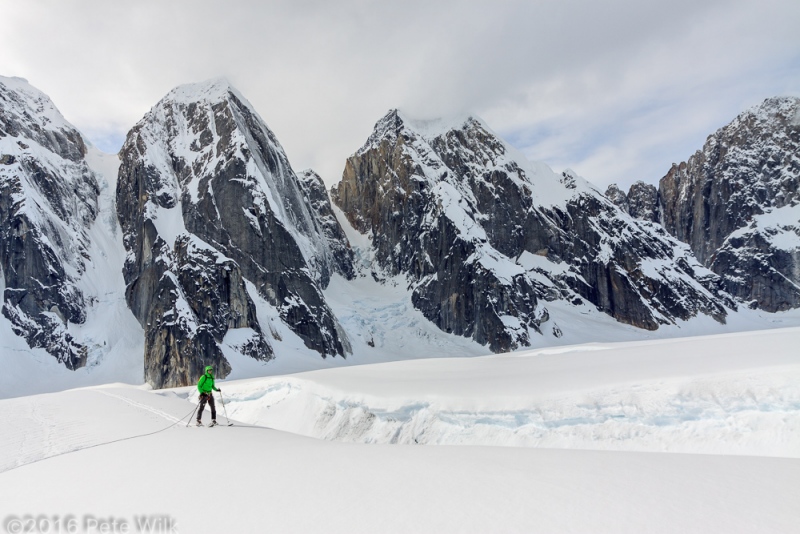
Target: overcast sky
<point x="616" y="90"/>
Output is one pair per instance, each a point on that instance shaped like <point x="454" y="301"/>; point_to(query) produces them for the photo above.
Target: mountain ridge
<point x="461" y="193"/>
<point x="206" y="247"/>
<point x="725" y="201"/>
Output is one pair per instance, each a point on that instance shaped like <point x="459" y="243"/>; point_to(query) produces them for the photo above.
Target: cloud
<point x="616" y="90"/>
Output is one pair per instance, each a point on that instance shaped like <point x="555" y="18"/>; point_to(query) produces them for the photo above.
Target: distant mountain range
<point x="199" y="244"/>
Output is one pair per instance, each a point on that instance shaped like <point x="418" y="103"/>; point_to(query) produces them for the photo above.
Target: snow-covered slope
<point x="48" y="200"/>
<point x="60" y="252"/>
<point x="112" y="339"/>
<point x="126" y="453"/>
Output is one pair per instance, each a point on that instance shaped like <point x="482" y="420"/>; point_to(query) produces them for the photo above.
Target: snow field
<point x="121" y="451"/>
<point x="728" y="394"/>
<point x="254" y="479"/>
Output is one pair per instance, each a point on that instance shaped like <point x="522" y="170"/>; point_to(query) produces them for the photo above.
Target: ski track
<point x="41" y="427"/>
<point x="142" y="406"/>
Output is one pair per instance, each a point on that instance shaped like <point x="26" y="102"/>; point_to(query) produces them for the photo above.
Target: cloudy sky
<point x="617" y="90"/>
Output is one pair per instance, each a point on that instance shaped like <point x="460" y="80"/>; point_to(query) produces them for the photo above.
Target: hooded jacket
<point x="206" y="382"/>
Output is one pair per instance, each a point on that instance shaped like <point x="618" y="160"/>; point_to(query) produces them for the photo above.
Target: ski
<point x="213" y="424"/>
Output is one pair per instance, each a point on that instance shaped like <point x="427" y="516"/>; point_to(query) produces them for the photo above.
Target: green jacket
<point x="206" y="382"/>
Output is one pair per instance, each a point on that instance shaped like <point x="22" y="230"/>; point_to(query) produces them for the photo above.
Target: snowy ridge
<point x="37" y="138"/>
<point x="733" y="202"/>
<point x="488" y="151"/>
<point x="449" y="200"/>
<point x="31" y="106"/>
<point x="730" y="394"/>
<point x="213" y="91"/>
<point x="183" y="126"/>
<point x="48" y="202"/>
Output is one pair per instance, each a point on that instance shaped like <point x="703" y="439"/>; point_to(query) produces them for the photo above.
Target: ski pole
<point x="195" y="409"/>
<point x="224" y="408"/>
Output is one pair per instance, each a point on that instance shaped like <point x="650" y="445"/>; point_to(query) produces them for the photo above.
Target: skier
<point x="205" y="386"/>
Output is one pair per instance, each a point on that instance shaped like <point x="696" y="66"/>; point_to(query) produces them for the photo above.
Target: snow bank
<point x="728" y="394"/>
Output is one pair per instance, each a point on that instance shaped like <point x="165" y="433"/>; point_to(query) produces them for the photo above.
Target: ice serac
<point x="48" y="201"/>
<point x="487" y="238"/>
<point x="207" y="199"/>
<point x="735" y="203"/>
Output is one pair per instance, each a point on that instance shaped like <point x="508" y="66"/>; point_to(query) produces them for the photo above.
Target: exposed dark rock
<point x="193" y="311"/>
<point x="48" y="200"/>
<point x="317" y="199"/>
<point x="618" y="197"/>
<point x="201" y="172"/>
<point x="643" y="202"/>
<point x="753" y="266"/>
<point x="485" y="236"/>
<point x="746" y="176"/>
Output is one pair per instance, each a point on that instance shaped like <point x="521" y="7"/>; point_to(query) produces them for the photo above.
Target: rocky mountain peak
<point x="618" y="197"/>
<point x="487" y="237"/>
<point x="203" y="165"/>
<point x="213" y="91"/>
<point x="30" y="114"/>
<point x="48" y="200"/>
<point x="745" y="176"/>
<point x="643" y="202"/>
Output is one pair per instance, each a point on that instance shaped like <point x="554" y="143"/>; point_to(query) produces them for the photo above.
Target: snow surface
<point x="728" y="394"/>
<point x="87" y="451"/>
<point x="46" y="114"/>
<point x="780" y="226"/>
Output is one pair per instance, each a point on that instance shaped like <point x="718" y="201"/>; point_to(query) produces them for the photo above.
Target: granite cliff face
<point x="618" y="197"/>
<point x="487" y="238"/>
<point x="735" y="202"/>
<point x="336" y="244"/>
<point x="641" y="201"/>
<point x="48" y="201"/>
<point x="208" y="202"/>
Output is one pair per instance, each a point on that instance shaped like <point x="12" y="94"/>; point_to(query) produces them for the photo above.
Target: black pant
<point x="207" y="397"/>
